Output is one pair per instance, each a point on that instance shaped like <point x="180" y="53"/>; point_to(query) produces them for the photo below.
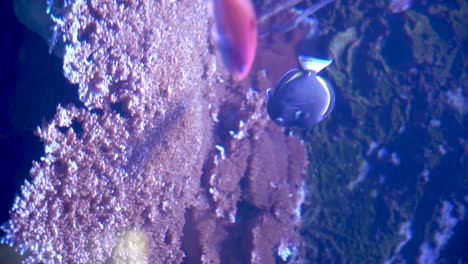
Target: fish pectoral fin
<point x="268" y="94"/>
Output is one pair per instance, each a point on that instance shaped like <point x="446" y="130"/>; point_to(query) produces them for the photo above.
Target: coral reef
<point x="255" y="181"/>
<point x="104" y="171"/>
<point x="163" y="159"/>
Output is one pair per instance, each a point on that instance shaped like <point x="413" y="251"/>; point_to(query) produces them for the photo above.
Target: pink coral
<point x="160" y="152"/>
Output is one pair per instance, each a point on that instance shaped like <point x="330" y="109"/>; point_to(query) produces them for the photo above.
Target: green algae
<point x="459" y="20"/>
<point x="340" y="42"/>
<point x="378" y="97"/>
<point x="422" y="37"/>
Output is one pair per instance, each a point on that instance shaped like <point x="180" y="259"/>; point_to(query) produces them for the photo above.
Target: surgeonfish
<point x="236" y="29"/>
<point x="301" y="97"/>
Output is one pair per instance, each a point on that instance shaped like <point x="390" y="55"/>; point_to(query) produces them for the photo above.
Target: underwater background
<point x="387" y="175"/>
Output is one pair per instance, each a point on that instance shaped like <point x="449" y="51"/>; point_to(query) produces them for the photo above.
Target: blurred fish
<point x="293" y="17"/>
<point x="301" y="97"/>
<point x="236" y="34"/>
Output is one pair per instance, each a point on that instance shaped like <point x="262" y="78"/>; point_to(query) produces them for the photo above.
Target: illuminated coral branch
<point x="121" y="164"/>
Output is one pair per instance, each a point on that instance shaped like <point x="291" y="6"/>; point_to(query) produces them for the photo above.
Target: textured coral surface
<point x="163" y="157"/>
<point x="155" y="155"/>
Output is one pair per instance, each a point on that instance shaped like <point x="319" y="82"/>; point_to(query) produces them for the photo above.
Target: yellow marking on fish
<point x="295" y="76"/>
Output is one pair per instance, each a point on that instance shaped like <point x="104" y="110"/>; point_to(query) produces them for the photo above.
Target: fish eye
<point x="299" y="115"/>
<point x="279" y="121"/>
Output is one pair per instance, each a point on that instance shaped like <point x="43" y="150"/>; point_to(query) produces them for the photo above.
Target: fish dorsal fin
<point x="313" y="64"/>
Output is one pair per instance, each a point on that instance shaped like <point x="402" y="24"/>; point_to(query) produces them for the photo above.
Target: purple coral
<point x="143" y="162"/>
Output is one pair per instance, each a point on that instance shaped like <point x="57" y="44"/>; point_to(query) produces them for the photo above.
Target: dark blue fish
<point x="302" y="98"/>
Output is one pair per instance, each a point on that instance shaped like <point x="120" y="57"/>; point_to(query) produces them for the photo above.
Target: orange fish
<point x="236" y="35"/>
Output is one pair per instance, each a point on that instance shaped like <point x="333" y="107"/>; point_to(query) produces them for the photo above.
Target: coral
<point x="130" y="248"/>
<point x="159" y="161"/>
<point x="164" y="152"/>
<point x="121" y="162"/>
<point x="255" y="182"/>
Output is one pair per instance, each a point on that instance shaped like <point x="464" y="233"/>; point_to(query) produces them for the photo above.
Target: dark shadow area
<point x="228" y="120"/>
<point x="32" y="85"/>
<point x="397" y="51"/>
<point x="190" y="240"/>
<point x="236" y="248"/>
<point x="437" y="189"/>
<point x="121" y="109"/>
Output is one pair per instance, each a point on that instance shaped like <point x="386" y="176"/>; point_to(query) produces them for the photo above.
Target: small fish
<point x="301" y="97"/>
<point x="237" y="35"/>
